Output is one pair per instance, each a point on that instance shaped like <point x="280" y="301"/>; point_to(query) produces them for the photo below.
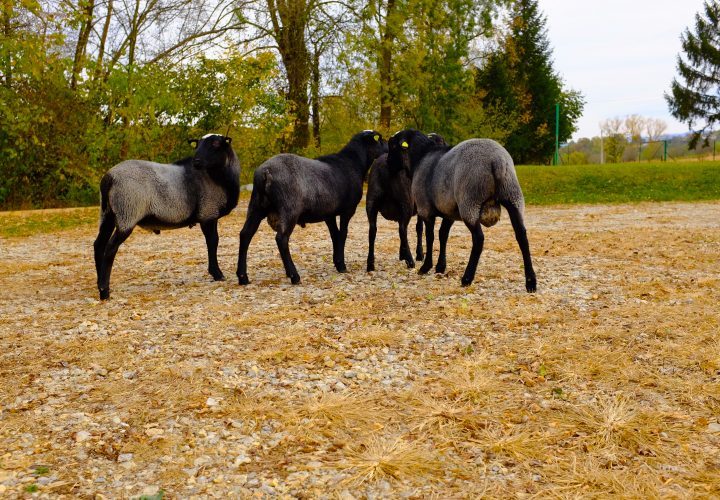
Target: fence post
<point x="665" y="150"/>
<point x="557" y="134"/>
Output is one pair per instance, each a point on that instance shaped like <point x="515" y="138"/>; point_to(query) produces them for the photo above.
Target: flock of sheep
<point x="412" y="173"/>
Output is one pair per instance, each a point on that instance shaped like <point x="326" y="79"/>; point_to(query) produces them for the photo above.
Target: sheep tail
<point x="507" y="185"/>
<point x="105" y="185"/>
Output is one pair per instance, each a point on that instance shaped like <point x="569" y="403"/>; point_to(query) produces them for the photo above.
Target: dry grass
<point x="606" y="383"/>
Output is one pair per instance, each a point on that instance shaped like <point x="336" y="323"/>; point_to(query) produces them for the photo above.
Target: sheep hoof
<point x="440" y="269"/>
<point x="466" y="281"/>
<point x="419" y="256"/>
<point x="370" y="267"/>
<point x="104" y="293"/>
<point x="425" y="269"/>
<point x="530" y="285"/>
<point x="410" y="263"/>
<point x="243" y="279"/>
<point x="341" y="268"/>
<point x="295" y="279"/>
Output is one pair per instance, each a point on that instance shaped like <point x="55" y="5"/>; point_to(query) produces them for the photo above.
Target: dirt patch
<point x="390" y="384"/>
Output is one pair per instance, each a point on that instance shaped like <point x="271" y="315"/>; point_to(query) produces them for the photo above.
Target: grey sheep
<point x="389" y="194"/>
<point x="467" y="182"/>
<point x="155" y="196"/>
<point x="290" y="189"/>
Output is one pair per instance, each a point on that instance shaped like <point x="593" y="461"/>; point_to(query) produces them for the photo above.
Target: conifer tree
<point x="520" y="79"/>
<point x="695" y="97"/>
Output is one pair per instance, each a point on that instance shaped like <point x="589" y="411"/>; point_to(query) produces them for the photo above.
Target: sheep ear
<point x="228" y="139"/>
<point x="193" y="142"/>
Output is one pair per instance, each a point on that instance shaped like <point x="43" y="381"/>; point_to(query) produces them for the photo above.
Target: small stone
<point x="149" y="491"/>
<point x="713" y="427"/>
<point x="124" y="457"/>
<point x="153" y="431"/>
<point x="242" y="459"/>
<point x="129" y="374"/>
<point x="82" y="436"/>
<point x="212" y="402"/>
<point x="350" y="374"/>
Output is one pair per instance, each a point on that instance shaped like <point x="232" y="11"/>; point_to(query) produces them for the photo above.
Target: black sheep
<point x="155" y="196"/>
<point x="467" y="182"/>
<point x="290" y="189"/>
<point x="389" y="194"/>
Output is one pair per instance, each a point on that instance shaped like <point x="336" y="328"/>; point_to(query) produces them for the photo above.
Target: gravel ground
<point x="357" y="385"/>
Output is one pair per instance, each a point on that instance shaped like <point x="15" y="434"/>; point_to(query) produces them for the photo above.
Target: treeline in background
<point x="636" y="138"/>
<point x="85" y="84"/>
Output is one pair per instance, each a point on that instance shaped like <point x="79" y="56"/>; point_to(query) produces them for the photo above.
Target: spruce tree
<point x="696" y="98"/>
<point x="520" y="79"/>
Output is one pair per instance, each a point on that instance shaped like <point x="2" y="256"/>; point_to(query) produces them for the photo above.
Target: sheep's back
<point x="303" y="184"/>
<point x="483" y="171"/>
<point x="143" y="189"/>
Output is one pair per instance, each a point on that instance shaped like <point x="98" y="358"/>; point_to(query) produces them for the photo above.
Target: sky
<point x="620" y="54"/>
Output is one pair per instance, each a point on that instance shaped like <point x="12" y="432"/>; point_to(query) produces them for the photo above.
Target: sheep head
<point x="212" y="150"/>
<point x="374" y="144"/>
<point x="406" y="148"/>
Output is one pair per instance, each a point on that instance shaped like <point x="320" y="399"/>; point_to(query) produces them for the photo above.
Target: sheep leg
<point x="372" y="232"/>
<point x="335" y="237"/>
<point x="254" y="217"/>
<point x="107" y="226"/>
<point x="282" y="238"/>
<point x="405" y="253"/>
<point x="478" y="239"/>
<point x="518" y="225"/>
<point x="210" y="232"/>
<point x="418" y="247"/>
<point x="342" y="238"/>
<point x="111" y="250"/>
<point x="429" y="236"/>
<point x="443" y="233"/>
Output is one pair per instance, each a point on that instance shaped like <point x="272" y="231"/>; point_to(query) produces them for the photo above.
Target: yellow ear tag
<point x="404" y="145"/>
<point x="376" y="137"/>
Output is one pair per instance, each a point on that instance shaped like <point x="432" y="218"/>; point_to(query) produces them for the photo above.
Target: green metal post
<point x="557" y="134"/>
<point x="665" y="150"/>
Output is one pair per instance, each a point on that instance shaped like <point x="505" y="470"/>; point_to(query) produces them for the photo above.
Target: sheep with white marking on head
<point x="468" y="182"/>
<point x="156" y="196"/>
<point x="389" y="194"/>
<point x="289" y="190"/>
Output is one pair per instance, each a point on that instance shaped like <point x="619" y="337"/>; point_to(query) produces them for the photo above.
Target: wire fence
<point x="588" y="151"/>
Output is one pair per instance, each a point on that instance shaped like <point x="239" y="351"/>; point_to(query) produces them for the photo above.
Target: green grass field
<point x="542" y="185"/>
<point x="620" y="183"/>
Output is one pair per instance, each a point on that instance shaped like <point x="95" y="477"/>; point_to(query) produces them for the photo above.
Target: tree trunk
<point x="385" y="68"/>
<point x="83" y="37"/>
<point x="103" y="40"/>
<point x="315" y="96"/>
<point x="289" y="20"/>
<point x="7" y="13"/>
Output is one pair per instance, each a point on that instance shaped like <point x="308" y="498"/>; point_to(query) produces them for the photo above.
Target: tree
<point x="655" y="128"/>
<point x="414" y="56"/>
<point x="520" y="79"/>
<point x="634" y="126"/>
<point x="290" y="27"/>
<point x="695" y="97"/>
<point x="615" y="140"/>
